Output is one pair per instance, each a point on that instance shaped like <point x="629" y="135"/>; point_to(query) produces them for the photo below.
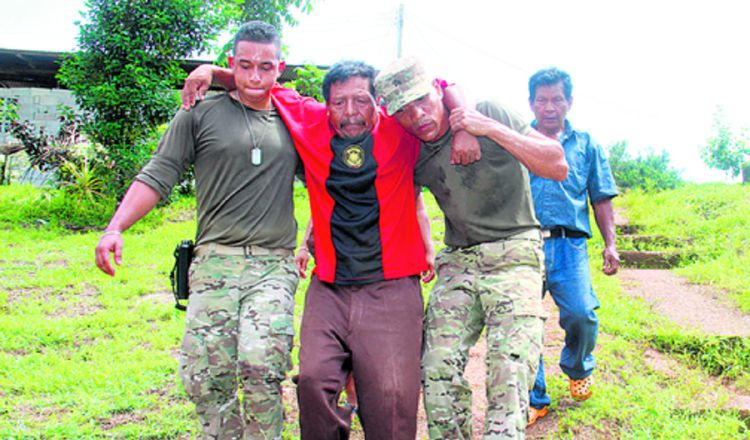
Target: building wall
<point x="40" y="106"/>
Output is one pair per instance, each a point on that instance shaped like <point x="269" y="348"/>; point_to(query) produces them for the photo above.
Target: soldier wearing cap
<point x="490" y="273"/>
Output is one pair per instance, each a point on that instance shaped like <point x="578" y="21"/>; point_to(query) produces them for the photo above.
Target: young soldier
<point x="238" y="330"/>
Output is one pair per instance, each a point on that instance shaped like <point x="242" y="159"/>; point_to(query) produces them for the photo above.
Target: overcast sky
<point x="649" y="72"/>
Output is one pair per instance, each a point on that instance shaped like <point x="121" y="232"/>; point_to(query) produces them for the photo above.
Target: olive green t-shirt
<point x="239" y="203"/>
<point x="486" y="201"/>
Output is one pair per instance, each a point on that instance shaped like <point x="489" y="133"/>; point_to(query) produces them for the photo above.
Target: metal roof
<point x="30" y="68"/>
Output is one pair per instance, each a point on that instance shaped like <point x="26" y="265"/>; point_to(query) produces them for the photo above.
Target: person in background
<point x="562" y="208"/>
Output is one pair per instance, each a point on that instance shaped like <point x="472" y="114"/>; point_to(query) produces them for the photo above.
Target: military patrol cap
<point x="402" y="82"/>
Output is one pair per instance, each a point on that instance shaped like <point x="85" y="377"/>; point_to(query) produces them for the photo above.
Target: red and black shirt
<point x="362" y="196"/>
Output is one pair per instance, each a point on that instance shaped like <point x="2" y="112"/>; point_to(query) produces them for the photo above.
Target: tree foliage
<point x="127" y="66"/>
<point x="274" y="12"/>
<point x="309" y="81"/>
<point x="125" y="72"/>
<point x="651" y="172"/>
<point x="725" y="150"/>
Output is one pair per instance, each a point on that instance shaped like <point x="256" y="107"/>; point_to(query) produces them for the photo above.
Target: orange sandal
<point x="581" y="389"/>
<point x="536" y="414"/>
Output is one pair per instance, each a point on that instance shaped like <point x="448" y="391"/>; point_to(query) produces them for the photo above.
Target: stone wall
<point x="39" y="106"/>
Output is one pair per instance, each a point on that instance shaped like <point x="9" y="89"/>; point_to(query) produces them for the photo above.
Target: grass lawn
<point x="83" y="355"/>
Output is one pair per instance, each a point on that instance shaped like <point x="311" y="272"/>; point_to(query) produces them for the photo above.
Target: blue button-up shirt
<point x="589" y="178"/>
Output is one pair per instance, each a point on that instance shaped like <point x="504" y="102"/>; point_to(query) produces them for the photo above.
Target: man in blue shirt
<point x="562" y="210"/>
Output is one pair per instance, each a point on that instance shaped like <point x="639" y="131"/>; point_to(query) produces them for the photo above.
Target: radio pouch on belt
<point x="183" y="255"/>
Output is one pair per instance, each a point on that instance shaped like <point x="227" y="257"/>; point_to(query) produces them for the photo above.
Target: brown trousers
<point x="373" y="331"/>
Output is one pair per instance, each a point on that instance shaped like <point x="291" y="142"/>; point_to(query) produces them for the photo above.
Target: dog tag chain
<point x="256" y="154"/>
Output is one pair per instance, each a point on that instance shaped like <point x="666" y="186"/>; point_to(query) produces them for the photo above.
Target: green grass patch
<point x="84" y="355"/>
<point x="727" y="356"/>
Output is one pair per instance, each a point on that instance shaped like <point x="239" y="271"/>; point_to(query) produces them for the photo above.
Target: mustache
<point x="353" y="120"/>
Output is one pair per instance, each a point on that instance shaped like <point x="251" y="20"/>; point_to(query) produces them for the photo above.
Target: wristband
<point x="113" y="232"/>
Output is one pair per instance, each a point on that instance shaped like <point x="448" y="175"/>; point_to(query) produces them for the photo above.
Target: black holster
<point x="183" y="255"/>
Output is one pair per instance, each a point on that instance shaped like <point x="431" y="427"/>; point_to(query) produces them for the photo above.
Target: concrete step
<point x="649" y="259"/>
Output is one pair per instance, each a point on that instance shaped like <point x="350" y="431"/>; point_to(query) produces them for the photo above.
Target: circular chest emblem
<point x="354" y="156"/>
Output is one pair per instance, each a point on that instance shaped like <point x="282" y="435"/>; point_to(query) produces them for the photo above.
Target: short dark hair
<point x="258" y="32"/>
<point x="343" y="70"/>
<point x="549" y="77"/>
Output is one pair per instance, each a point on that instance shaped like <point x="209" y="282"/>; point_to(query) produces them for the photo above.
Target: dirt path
<point x="689" y="305"/>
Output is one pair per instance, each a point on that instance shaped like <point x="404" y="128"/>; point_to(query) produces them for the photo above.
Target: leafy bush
<point x="8" y="111"/>
<point x="650" y="173"/>
<point x="81" y="180"/>
<point x="123" y="76"/>
<point x="8" y="116"/>
<point x="46" y="152"/>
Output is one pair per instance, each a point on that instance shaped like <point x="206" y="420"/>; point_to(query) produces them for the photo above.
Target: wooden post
<point x="5" y="167"/>
<point x="746" y="172"/>
<point x="8" y="150"/>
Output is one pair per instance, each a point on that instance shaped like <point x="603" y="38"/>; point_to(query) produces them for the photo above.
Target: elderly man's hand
<point x="464" y="148"/>
<point x="611" y="260"/>
<point x="429" y="274"/>
<point x="301" y="260"/>
<point x="196" y="85"/>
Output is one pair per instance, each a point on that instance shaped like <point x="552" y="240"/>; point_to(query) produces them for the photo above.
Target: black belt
<point x="560" y="232"/>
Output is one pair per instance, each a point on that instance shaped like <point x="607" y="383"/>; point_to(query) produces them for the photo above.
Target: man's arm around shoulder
<point x="541" y="155"/>
<point x="199" y="81"/>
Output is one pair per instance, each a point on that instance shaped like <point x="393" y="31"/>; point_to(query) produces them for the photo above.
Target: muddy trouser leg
<point x="505" y="278"/>
<point x="510" y="286"/>
<point x="538" y="397"/>
<point x="453" y="323"/>
<point x="266" y="332"/>
<point x="324" y="360"/>
<point x="385" y="340"/>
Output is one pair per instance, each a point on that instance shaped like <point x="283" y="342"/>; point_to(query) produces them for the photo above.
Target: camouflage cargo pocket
<point x="281" y="337"/>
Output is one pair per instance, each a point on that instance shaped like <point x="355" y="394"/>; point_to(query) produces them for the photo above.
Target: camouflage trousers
<point x="238" y="336"/>
<point x="494" y="286"/>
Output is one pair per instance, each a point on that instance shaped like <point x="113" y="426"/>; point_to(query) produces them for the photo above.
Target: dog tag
<point x="256" y="156"/>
